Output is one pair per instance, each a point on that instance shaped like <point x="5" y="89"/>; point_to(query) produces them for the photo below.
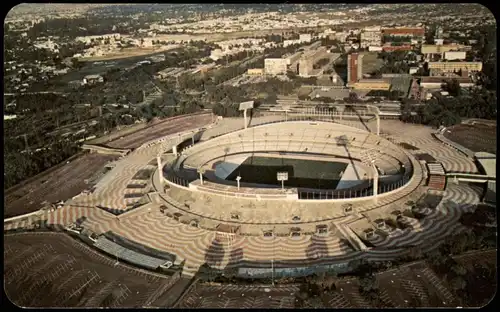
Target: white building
<point x="375" y="48"/>
<point x="455" y="55"/>
<point x="305" y="37"/>
<point x="275" y="66"/>
<point x="88" y="39"/>
<point x="370" y="38"/>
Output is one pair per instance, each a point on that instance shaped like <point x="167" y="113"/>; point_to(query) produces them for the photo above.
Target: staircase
<point x="437" y="182"/>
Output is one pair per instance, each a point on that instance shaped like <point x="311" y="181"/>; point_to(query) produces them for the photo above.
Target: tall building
<point x="354" y="68"/>
<point x="370" y="38"/>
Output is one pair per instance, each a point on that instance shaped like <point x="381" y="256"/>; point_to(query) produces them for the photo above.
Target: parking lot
<point x="63" y="183"/>
<point x="54" y="270"/>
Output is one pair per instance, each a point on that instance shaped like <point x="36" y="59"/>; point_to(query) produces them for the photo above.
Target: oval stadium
<point x="270" y="196"/>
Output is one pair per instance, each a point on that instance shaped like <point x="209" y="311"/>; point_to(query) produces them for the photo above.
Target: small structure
<point x="194" y="223"/>
<point x="380" y="223"/>
<point x="369" y="234"/>
<point x="93" y="79"/>
<point x="347" y="208"/>
<point x="295" y="232"/>
<point x="321" y="229"/>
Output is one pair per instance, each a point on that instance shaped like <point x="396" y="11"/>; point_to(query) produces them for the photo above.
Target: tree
<point x="458" y="283"/>
<point x="453" y="87"/>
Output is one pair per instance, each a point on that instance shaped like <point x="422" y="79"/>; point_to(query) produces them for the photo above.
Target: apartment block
<point x="456" y="66"/>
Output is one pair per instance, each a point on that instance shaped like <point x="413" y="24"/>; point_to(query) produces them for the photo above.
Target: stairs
<point x="437" y="182"/>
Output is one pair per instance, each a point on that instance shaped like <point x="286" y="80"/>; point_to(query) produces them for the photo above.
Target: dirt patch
<point x="54" y="270"/>
<point x="60" y="184"/>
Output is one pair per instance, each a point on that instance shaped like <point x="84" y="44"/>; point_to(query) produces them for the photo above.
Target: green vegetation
<point x="448" y="111"/>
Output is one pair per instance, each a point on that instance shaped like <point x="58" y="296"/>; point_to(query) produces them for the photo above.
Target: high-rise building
<point x="354" y="68"/>
<point x="370" y="38"/>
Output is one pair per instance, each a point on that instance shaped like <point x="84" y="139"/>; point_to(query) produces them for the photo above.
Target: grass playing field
<point x="301" y="172"/>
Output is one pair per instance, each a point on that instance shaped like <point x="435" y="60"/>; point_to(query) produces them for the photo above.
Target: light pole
<point x="375" y="180"/>
<point x="201" y="171"/>
<point x="272" y="259"/>
<point x="116" y="254"/>
<point x="238" y="178"/>
<point x="376" y="111"/>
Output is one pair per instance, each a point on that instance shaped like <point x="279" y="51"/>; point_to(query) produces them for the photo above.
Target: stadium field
<point x="301" y="172"/>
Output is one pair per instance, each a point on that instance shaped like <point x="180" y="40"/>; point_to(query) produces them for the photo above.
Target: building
<point x="417" y="32"/>
<point x="455" y="55"/>
<point x="456" y="66"/>
<point x="372" y="84"/>
<point x="255" y="71"/>
<point x="89" y="39"/>
<point x="375" y="49"/>
<point x="438" y="41"/>
<point x="391" y="48"/>
<point x="413" y="70"/>
<point x="275" y="66"/>
<point x="92" y="79"/>
<point x="291" y="58"/>
<point x="305" y="37"/>
<point x="354" y="68"/>
<point x="430" y="51"/>
<point x="308" y="59"/>
<point x="437" y="82"/>
<point x="370" y="38"/>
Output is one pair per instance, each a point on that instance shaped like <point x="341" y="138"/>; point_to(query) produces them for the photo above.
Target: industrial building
<point x="354" y="68"/>
<point x="275" y="66"/>
<point x="456" y="66"/>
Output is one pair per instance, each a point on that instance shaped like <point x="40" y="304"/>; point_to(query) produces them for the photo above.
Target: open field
<point x="477" y="138"/>
<point x="54" y="270"/>
<point x="63" y="183"/>
<point x="160" y="129"/>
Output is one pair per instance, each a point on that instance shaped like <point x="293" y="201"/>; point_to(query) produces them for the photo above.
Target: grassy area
<point x="301" y="173"/>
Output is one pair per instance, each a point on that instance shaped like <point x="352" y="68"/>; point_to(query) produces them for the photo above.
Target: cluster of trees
<point x="89" y="25"/>
<point x="20" y="166"/>
<point x="394" y="63"/>
<point x="456" y="274"/>
<point x="447" y="111"/>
